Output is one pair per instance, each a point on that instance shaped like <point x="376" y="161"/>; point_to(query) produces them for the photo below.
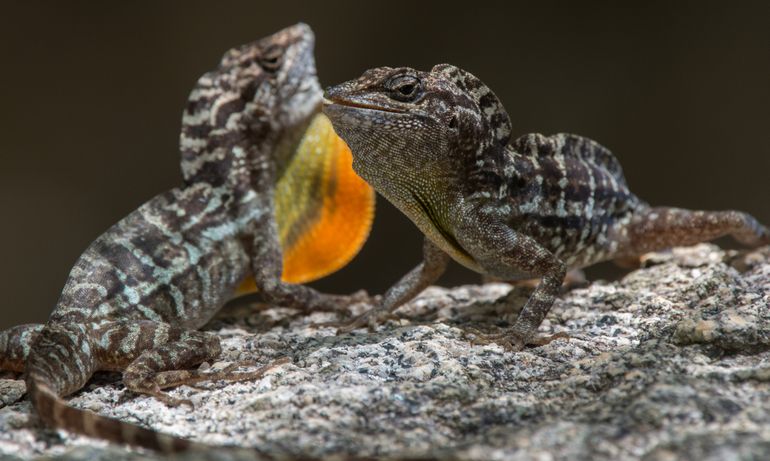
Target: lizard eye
<point x="270" y="60"/>
<point x="404" y="88"/>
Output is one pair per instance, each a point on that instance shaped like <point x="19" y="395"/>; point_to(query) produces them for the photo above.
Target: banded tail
<point x="49" y="377"/>
<point x="61" y="361"/>
<point x="54" y="412"/>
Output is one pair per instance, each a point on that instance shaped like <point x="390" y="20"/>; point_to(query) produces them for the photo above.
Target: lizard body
<point x="135" y="297"/>
<point x="438" y="146"/>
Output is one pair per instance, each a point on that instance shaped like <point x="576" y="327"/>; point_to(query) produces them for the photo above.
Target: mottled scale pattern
<point x="568" y="193"/>
<point x="176" y="260"/>
<point x="134" y="298"/>
<point x="438" y="145"/>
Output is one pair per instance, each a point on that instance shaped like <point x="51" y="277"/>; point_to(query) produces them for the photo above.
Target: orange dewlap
<point x="324" y="210"/>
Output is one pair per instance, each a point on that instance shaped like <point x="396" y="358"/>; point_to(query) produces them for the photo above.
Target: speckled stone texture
<point x="670" y="362"/>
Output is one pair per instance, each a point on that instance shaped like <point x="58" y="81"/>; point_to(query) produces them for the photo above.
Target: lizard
<point x="253" y="186"/>
<point x="438" y="145"/>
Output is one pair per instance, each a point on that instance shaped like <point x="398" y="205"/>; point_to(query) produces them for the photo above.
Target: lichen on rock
<point x="670" y="362"/>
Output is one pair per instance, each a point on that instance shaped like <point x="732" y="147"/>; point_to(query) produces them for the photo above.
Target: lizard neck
<point x="406" y="176"/>
<point x="429" y="193"/>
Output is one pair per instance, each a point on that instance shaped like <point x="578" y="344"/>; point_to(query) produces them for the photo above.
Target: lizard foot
<point x="167" y="379"/>
<point x="543" y="340"/>
<point x="166" y="398"/>
<point x="512" y="340"/>
<point x="369" y="319"/>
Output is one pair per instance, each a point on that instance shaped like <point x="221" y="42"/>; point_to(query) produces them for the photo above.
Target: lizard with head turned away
<point x="255" y="211"/>
<point x="438" y="146"/>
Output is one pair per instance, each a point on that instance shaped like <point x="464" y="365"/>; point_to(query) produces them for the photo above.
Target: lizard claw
<point x="543" y="340"/>
<point x="508" y="340"/>
<point x="511" y="340"/>
<point x="167" y="399"/>
<point x="369" y="319"/>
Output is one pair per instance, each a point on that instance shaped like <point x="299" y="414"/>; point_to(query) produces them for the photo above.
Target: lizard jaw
<point x="359" y="105"/>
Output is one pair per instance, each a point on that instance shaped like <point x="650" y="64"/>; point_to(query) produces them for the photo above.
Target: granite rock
<point x="670" y="362"/>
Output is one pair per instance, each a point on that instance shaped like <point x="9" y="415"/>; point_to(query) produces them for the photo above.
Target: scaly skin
<point x="135" y="297"/>
<point x="437" y="145"/>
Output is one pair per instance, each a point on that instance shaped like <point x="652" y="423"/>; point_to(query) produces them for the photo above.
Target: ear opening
<point x="492" y="109"/>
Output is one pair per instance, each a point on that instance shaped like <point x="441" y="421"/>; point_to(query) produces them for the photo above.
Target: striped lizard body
<point x="135" y="298"/>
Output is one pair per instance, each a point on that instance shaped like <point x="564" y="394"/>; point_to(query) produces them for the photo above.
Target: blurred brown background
<point x="91" y="96"/>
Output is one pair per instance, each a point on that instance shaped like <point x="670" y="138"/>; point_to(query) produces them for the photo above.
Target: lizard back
<point x="175" y="259"/>
<point x="569" y="194"/>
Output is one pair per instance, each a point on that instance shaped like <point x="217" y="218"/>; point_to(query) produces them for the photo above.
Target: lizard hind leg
<point x="62" y="359"/>
<point x="662" y="227"/>
<point x="15" y="346"/>
<point x="169" y="364"/>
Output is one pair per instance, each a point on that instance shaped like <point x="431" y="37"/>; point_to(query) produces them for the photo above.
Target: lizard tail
<point x="59" y="363"/>
<point x="54" y="412"/>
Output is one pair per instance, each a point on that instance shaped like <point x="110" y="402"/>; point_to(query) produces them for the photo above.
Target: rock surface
<point x="670" y="362"/>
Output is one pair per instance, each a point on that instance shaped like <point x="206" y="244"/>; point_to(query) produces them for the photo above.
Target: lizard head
<point x="257" y="102"/>
<point x="403" y="123"/>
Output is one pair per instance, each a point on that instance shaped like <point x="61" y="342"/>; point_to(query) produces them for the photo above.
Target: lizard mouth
<point x="359" y="105"/>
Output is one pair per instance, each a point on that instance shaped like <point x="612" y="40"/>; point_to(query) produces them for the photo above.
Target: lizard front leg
<point x="501" y="251"/>
<point x="434" y="263"/>
<point x="267" y="268"/>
